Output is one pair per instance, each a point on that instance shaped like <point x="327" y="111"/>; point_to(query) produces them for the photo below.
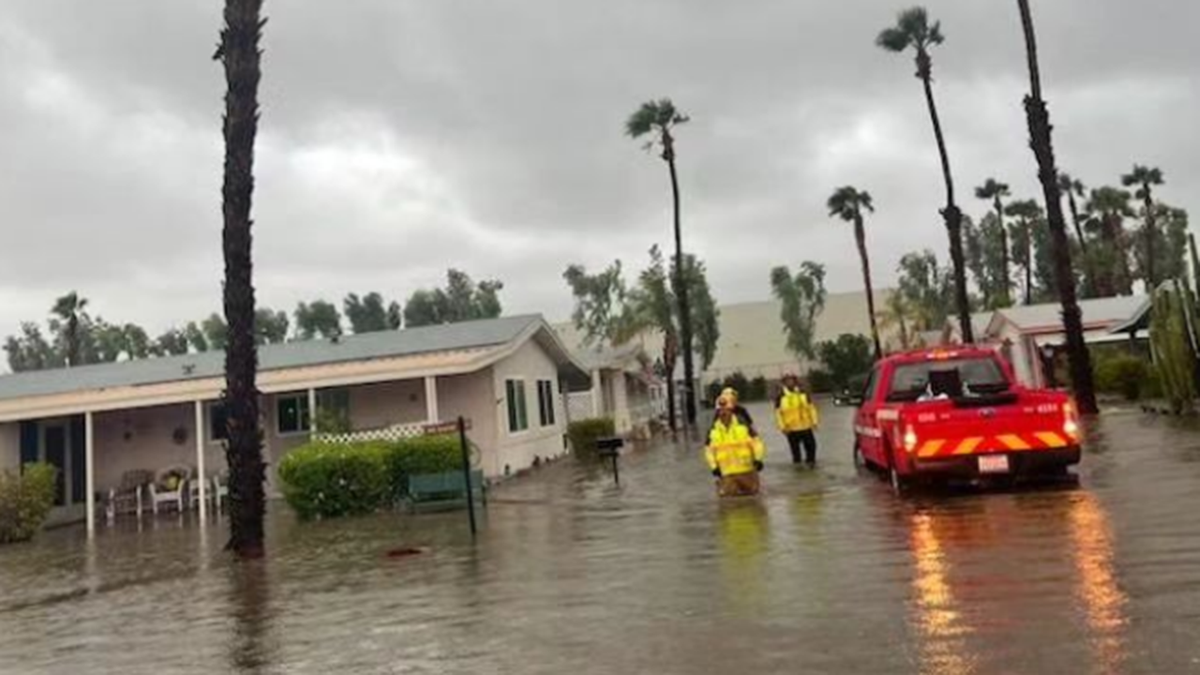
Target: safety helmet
<point x="731" y="394"/>
<point x="724" y="402"/>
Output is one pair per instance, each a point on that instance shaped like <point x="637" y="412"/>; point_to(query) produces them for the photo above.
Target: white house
<point x="623" y="388"/>
<point x="509" y="377"/>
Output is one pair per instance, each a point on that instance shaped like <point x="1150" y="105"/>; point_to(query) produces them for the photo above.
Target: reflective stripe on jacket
<point x="732" y="449"/>
<point x="795" y="412"/>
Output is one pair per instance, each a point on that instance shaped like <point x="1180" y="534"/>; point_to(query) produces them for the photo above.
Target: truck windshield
<point x="953" y="378"/>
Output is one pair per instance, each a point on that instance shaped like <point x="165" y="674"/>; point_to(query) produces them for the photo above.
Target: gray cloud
<point x="400" y="138"/>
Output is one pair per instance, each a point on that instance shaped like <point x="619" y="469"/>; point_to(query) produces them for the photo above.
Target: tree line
<point x="72" y="336"/>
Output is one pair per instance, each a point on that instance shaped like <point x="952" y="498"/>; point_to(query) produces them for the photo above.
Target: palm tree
<point x="848" y="203"/>
<point x="1074" y="188"/>
<point x="239" y="53"/>
<point x="995" y="192"/>
<point x="70" y="308"/>
<point x="1145" y="178"/>
<point x="1026" y="214"/>
<point x="658" y="119"/>
<point x="1043" y="150"/>
<point x="913" y="30"/>
<point x="1110" y="207"/>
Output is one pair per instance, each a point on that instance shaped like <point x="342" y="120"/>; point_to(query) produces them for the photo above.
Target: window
<point x="518" y="415"/>
<point x="978" y="374"/>
<point x="292" y="414"/>
<point x="546" y="402"/>
<point x="333" y="411"/>
<point x="217" y="430"/>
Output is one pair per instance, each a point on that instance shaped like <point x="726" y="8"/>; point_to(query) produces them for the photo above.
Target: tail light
<point x="910" y="440"/>
<point x="1071" y="421"/>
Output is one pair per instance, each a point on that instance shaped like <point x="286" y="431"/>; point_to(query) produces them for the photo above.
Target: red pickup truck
<point x="958" y="413"/>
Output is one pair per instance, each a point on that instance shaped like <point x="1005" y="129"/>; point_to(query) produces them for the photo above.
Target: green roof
<point x="368" y="346"/>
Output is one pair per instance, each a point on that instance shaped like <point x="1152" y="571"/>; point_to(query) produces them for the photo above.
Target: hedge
<point x="331" y="480"/>
<point x="583" y="434"/>
<point x="1123" y="374"/>
<point x="25" y="501"/>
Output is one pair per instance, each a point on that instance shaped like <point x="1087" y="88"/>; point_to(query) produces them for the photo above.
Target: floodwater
<point x="827" y="573"/>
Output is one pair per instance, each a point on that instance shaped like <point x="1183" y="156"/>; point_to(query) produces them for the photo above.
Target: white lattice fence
<point x="393" y="433"/>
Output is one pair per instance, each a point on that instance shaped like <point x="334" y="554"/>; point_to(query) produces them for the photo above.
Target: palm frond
<point x="893" y="40"/>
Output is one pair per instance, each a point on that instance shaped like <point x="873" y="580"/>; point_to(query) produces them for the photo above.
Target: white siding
<point x="143" y="438"/>
<point x="380" y="405"/>
<point x="516" y="451"/>
<point x="10" y="445"/>
<point x="473" y="397"/>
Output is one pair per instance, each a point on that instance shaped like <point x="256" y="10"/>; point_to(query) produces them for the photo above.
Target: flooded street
<point x="827" y="573"/>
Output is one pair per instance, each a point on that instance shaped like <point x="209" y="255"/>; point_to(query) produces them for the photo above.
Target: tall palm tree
<point x="1145" y="178"/>
<point x="1074" y="188"/>
<point x="1043" y="149"/>
<point x="70" y="308"/>
<point x="239" y="53"/>
<point x="913" y="30"/>
<point x="658" y="119"/>
<point x="848" y="203"/>
<point x="995" y="192"/>
<point x="1110" y="207"/>
<point x="1026" y="214"/>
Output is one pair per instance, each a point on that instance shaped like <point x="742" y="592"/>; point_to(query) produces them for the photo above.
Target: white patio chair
<point x="219" y="490"/>
<point x="170" y="487"/>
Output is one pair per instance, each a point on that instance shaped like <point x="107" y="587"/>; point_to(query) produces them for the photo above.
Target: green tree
<point x="846" y="358"/>
<point x="1027" y="215"/>
<point x="215" y="334"/>
<point x="71" y="310"/>
<point x="802" y="298"/>
<point x="849" y="203"/>
<point x="1171" y="252"/>
<point x="658" y="120"/>
<point x="602" y="312"/>
<point x="461" y="300"/>
<point x="1145" y="179"/>
<point x="654" y="307"/>
<point x="926" y="290"/>
<point x="30" y="350"/>
<point x="318" y="319"/>
<point x="270" y="327"/>
<point x="1041" y="143"/>
<point x="240" y="55"/>
<point x="894" y="317"/>
<point x="705" y="314"/>
<point x="1075" y="189"/>
<point x="173" y="342"/>
<point x="370" y="314"/>
<point x="196" y="337"/>
<point x="1109" y="207"/>
<point x="913" y="31"/>
<point x="995" y="192"/>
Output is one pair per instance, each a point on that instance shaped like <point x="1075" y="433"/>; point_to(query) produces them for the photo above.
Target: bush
<point x="25" y="501"/>
<point x="820" y="381"/>
<point x="1123" y="374"/>
<point x="327" y="480"/>
<point x="583" y="434"/>
<point x="747" y="389"/>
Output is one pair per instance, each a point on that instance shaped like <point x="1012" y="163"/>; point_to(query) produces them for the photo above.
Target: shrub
<point x="25" y="501"/>
<point x="757" y="391"/>
<point x="583" y="434"/>
<point x="1122" y="374"/>
<point x="328" y="480"/>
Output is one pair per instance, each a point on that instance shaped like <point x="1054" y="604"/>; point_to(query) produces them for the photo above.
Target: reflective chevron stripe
<point x="1027" y="442"/>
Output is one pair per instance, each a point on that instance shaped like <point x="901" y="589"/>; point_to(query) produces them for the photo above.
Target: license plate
<point x="993" y="464"/>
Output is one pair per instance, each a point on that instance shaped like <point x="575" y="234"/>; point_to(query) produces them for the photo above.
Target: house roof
<point x="624" y="357"/>
<point x="451" y="348"/>
<point x="1048" y="317"/>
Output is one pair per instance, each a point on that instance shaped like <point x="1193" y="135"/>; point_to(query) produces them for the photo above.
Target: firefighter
<point x="734" y="456"/>
<point x="743" y="415"/>
<point x="797" y="418"/>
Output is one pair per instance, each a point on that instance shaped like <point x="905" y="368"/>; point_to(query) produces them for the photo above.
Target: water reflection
<point x="1102" y="598"/>
<point x="943" y="631"/>
<point x="251" y="646"/>
<point x="742" y="537"/>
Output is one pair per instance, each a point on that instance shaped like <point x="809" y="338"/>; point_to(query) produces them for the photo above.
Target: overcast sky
<point x="402" y="137"/>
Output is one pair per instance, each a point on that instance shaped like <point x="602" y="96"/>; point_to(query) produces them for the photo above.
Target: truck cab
<point x="959" y="413"/>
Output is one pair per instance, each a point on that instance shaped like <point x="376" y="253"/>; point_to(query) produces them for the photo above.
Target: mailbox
<point x="607" y="447"/>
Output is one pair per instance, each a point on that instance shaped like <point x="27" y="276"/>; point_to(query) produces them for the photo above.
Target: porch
<point x="99" y="451"/>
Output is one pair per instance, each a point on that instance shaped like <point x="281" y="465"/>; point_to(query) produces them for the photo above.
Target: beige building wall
<point x="473" y="397"/>
<point x="144" y="438"/>
<point x="375" y="406"/>
<point x="516" y="450"/>
<point x="10" y="446"/>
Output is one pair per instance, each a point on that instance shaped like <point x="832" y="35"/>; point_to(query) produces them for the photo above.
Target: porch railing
<point x="396" y="432"/>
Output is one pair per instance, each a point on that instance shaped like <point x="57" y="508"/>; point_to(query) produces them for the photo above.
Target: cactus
<point x="1173" y="327"/>
<point x="1195" y="262"/>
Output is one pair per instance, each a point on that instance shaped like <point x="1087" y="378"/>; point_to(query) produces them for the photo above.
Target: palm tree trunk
<point x="1151" y="227"/>
<point x="951" y="214"/>
<point x="240" y="53"/>
<point x="681" y="290"/>
<point x="1028" y="263"/>
<point x="670" y="350"/>
<point x="1043" y="150"/>
<point x="860" y="237"/>
<point x="1004" y="258"/>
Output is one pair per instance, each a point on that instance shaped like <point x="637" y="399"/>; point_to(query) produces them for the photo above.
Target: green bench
<point x="444" y="490"/>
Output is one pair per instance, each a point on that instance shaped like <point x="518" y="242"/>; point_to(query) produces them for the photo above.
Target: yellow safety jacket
<point x="795" y="412"/>
<point x="732" y="449"/>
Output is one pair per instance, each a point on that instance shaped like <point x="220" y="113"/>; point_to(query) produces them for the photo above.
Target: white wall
<point x="516" y="451"/>
<point x="374" y="406"/>
<point x="10" y="445"/>
<point x="473" y="397"/>
<point x="143" y="438"/>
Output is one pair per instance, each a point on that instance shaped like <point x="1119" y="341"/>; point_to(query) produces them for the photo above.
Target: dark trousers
<point x="806" y="439"/>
